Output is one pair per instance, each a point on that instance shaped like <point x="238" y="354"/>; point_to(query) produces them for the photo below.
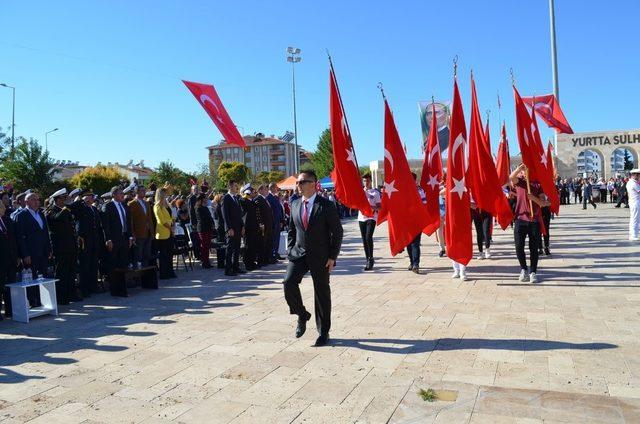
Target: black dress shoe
<point x="322" y="340"/>
<point x="546" y="251"/>
<point x="369" y="265"/>
<point x="442" y="253"/>
<point x="416" y="270"/>
<point x="302" y="324"/>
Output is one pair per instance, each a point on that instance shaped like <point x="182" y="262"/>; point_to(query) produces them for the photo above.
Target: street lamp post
<point x="46" y="138"/>
<point x="294" y="57"/>
<point x="554" y="62"/>
<point x="13" y="117"/>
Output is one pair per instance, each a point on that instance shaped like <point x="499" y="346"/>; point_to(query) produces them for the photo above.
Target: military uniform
<point x="64" y="240"/>
<point x="89" y="229"/>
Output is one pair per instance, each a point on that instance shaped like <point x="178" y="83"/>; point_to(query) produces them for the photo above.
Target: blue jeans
<point x="413" y="249"/>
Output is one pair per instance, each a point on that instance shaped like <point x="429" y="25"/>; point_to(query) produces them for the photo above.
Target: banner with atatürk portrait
<point x="443" y="113"/>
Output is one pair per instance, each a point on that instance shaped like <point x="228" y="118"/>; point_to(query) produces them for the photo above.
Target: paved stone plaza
<point x="206" y="349"/>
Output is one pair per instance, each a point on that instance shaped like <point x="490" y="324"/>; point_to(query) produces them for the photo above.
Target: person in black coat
<point x="265" y="252"/>
<point x="313" y="244"/>
<point x="89" y="229"/>
<point x="234" y="228"/>
<point x="221" y="234"/>
<point x="191" y="206"/>
<point x="117" y="230"/>
<point x="8" y="258"/>
<point x="204" y="228"/>
<point x="34" y="246"/>
<point x="64" y="241"/>
<point x="252" y="228"/>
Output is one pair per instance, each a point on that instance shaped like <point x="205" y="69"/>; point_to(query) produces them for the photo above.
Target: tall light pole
<point x="554" y="64"/>
<point x="13" y="117"/>
<point x="294" y="57"/>
<point x="46" y="138"/>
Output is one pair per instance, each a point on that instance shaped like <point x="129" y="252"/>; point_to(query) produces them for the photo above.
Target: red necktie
<point x="305" y="215"/>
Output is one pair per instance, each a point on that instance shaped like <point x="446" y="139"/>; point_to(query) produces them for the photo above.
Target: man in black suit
<point x="193" y="219"/>
<point x="233" y="225"/>
<point x="117" y="230"/>
<point x="64" y="241"/>
<point x="89" y="228"/>
<point x="265" y="250"/>
<point x="314" y="239"/>
<point x="252" y="227"/>
<point x="34" y="246"/>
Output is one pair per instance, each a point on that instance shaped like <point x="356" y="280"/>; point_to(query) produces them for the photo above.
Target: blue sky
<point x="107" y="73"/>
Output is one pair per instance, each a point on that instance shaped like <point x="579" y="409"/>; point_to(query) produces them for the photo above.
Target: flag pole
<point x="344" y="114"/>
<point x="526" y="175"/>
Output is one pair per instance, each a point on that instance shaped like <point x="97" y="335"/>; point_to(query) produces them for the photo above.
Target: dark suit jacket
<point x="141" y="223"/>
<point x="276" y="209"/>
<point x="250" y="218"/>
<point x="232" y="214"/>
<point x="112" y="225"/>
<point x="191" y="202"/>
<point x="205" y="220"/>
<point x="266" y="214"/>
<point x="8" y="245"/>
<point x="32" y="240"/>
<point x="62" y="231"/>
<point x="323" y="236"/>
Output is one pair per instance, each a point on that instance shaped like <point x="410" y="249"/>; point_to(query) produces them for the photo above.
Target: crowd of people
<point x="586" y="191"/>
<point x="81" y="238"/>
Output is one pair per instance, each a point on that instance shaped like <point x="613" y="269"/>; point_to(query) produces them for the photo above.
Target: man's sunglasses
<point x="304" y="182"/>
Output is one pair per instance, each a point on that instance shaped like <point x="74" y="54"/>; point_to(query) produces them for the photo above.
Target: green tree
<point x="99" y="178"/>
<point x="166" y="172"/>
<point x="628" y="161"/>
<point x="30" y="167"/>
<point x="275" y="176"/>
<point x="322" y="158"/>
<point x="228" y="171"/>
<point x="262" y="177"/>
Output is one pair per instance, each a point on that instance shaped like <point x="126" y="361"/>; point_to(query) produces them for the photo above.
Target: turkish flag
<point x="545" y="167"/>
<point x="524" y="127"/>
<point x="431" y="176"/>
<point x="550" y="159"/>
<point x="548" y="108"/>
<point x="345" y="175"/>
<point x="458" y="215"/>
<point x="208" y="98"/>
<point x="503" y="163"/>
<point x="483" y="178"/>
<point x="401" y="203"/>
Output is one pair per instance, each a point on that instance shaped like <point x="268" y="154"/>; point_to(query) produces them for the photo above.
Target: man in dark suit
<point x="278" y="218"/>
<point x="265" y="250"/>
<point x="64" y="241"/>
<point x="117" y="230"/>
<point x="314" y="239"/>
<point x="252" y="227"/>
<point x="193" y="219"/>
<point x="142" y="228"/>
<point x="89" y="228"/>
<point x="234" y="227"/>
<point x="34" y="246"/>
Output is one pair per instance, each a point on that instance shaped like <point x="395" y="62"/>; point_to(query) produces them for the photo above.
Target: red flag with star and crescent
<point x="401" y="206"/>
<point x="345" y="175"/>
<point x="431" y="176"/>
<point x="545" y="167"/>
<point x="458" y="215"/>
<point x="549" y="109"/>
<point x="483" y="178"/>
<point x="503" y="163"/>
<point x="533" y="155"/>
<point x="550" y="159"/>
<point x="208" y="98"/>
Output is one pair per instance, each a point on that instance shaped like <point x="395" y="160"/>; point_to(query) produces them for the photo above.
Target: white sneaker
<point x="533" y="278"/>
<point x="456" y="274"/>
<point x="523" y="276"/>
<point x="487" y="254"/>
<point x="480" y="256"/>
<point x="463" y="276"/>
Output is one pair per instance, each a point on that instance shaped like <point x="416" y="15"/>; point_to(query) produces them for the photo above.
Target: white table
<point x="20" y="304"/>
